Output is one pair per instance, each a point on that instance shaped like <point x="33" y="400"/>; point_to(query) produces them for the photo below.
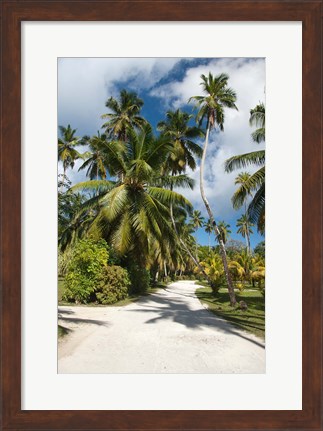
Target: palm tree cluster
<point x="130" y="198"/>
<point x="132" y="174"/>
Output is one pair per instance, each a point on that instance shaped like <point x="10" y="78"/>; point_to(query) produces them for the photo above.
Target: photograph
<point x="161" y="215"/>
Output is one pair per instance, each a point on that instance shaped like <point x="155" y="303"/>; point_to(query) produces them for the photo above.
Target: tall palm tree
<point x="240" y="198"/>
<point x="134" y="210"/>
<point x="208" y="227"/>
<point x="256" y="182"/>
<point x="95" y="158"/>
<point x="245" y="229"/>
<point x="225" y="231"/>
<point x="124" y="115"/>
<point x="180" y="134"/>
<point x="67" y="153"/>
<point x="197" y="221"/>
<point x="241" y="195"/>
<point x="217" y="96"/>
<point x="176" y="130"/>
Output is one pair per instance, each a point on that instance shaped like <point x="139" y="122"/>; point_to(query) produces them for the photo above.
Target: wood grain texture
<point x="15" y="11"/>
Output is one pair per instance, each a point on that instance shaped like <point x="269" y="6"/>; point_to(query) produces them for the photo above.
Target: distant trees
<point x="245" y="229"/>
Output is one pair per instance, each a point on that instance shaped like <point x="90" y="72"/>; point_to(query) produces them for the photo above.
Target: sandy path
<point x="167" y="332"/>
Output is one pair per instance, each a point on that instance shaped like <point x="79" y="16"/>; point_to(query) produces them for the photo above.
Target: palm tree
<point x="218" y="96"/>
<point x="213" y="266"/>
<point x="208" y="227"/>
<point x="134" y="210"/>
<point x="256" y="182"/>
<point x="242" y="264"/>
<point x="241" y="195"/>
<point x="180" y="134"/>
<point x="245" y="229"/>
<point x="196" y="221"/>
<point x="225" y="231"/>
<point x="258" y="271"/>
<point x="176" y="130"/>
<point x="96" y="157"/>
<point x="67" y="153"/>
<point x="124" y="115"/>
<point x="258" y="119"/>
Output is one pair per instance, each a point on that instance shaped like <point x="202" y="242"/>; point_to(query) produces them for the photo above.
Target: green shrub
<point x="89" y="257"/>
<point x="139" y="277"/>
<point x="113" y="285"/>
<point x="63" y="261"/>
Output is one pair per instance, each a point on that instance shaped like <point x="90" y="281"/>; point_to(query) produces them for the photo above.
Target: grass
<point x="62" y="331"/>
<point x="251" y="320"/>
<point x="122" y="303"/>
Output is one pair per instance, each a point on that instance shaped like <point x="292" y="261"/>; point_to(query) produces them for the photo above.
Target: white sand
<point x="166" y="332"/>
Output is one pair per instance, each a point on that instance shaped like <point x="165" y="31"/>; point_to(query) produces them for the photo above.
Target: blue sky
<point x="84" y="84"/>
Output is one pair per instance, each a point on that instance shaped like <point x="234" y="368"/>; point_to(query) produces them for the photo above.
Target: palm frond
<point x="94" y="185"/>
<point x="242" y="161"/>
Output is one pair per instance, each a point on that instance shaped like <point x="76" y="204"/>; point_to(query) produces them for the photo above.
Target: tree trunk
<point x="165" y="268"/>
<point x="248" y="243"/>
<point x="62" y="185"/>
<point x="232" y="295"/>
<point x="196" y="254"/>
<point x="97" y="177"/>
<point x="247" y="232"/>
<point x="196" y="262"/>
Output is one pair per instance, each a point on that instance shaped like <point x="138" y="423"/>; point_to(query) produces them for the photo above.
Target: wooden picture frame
<point x="13" y="13"/>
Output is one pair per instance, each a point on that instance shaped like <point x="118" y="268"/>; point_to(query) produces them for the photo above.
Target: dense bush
<point x="139" y="277"/>
<point x="89" y="257"/>
<point x="113" y="285"/>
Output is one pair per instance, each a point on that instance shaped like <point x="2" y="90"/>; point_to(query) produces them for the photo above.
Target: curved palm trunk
<point x="232" y="295"/>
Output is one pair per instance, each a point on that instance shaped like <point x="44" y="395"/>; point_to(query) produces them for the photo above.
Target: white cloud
<point x="84" y="84"/>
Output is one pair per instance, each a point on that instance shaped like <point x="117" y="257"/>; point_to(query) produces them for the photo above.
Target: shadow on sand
<point x="176" y="309"/>
<point x="64" y="316"/>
